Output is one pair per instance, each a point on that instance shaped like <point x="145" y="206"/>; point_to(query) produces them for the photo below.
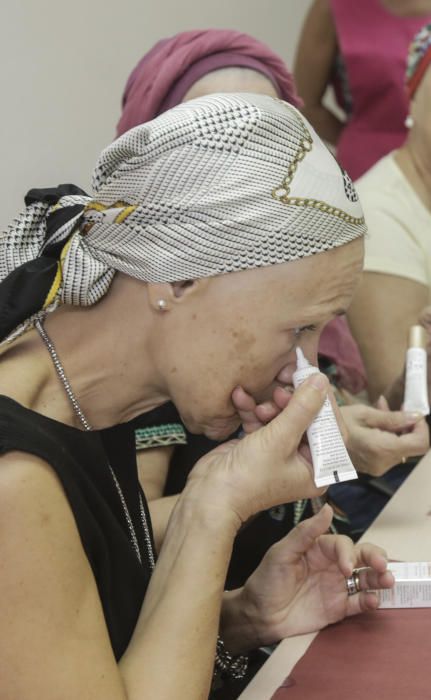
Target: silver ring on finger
<point x="353" y="583"/>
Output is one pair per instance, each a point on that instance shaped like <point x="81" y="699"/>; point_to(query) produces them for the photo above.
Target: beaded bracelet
<point x="225" y="663"/>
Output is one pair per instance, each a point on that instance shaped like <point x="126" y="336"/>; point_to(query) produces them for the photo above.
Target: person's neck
<point x="414" y="160"/>
<point x="105" y="357"/>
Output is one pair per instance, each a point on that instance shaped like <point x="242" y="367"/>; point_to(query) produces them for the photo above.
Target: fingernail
<point x="414" y="417"/>
<point x="319" y="381"/>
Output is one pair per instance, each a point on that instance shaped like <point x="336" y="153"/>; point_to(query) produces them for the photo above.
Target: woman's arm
<point x="153" y="466"/>
<point x="382" y="311"/>
<point x="314" y="63"/>
<point x="160" y="511"/>
<point x="53" y="638"/>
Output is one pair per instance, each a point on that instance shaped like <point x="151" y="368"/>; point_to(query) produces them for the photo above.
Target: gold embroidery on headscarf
<point x="281" y="193"/>
<point x="122" y="216"/>
<point x="95" y="206"/>
<point x="56" y="284"/>
<point x="126" y="209"/>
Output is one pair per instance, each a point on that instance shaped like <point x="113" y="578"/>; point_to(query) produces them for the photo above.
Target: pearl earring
<point x="409" y="121"/>
<point x="162" y="305"/>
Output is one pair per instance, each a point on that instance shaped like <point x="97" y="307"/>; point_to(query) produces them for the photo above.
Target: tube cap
<point x="417" y="337"/>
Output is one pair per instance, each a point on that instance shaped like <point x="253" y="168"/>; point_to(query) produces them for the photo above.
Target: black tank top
<point x="80" y="461"/>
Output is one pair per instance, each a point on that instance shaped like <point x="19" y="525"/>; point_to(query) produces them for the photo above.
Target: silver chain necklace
<point x="87" y="426"/>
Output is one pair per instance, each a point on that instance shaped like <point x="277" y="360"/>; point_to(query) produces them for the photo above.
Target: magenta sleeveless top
<point x="373" y="44"/>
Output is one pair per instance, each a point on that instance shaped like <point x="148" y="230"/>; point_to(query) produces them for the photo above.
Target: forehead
<point x="318" y="284"/>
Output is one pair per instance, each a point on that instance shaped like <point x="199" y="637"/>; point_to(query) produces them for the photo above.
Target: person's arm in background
<point x="314" y="63"/>
<point x="153" y="466"/>
<point x="382" y="311"/>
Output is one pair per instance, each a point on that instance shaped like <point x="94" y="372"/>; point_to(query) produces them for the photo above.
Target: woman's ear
<point x="187" y="287"/>
<point x="163" y="296"/>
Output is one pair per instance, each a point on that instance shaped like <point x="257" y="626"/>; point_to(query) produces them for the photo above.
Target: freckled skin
<point x="245" y="334"/>
<point x="244" y="341"/>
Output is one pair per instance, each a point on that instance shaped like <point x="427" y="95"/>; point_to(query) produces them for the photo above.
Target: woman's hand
<point x="395" y="391"/>
<point x="300" y="586"/>
<point x="378" y="438"/>
<point x="254" y="415"/>
<point x="268" y="467"/>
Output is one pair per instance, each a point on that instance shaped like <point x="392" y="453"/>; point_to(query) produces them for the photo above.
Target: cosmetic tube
<point x="331" y="461"/>
<point x="416" y="384"/>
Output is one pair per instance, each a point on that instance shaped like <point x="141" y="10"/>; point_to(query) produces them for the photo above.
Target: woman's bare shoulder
<point x="27" y="480"/>
<point x="53" y="634"/>
<point x="35" y="517"/>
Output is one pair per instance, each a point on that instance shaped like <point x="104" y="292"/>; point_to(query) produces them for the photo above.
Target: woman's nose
<point x="310" y="347"/>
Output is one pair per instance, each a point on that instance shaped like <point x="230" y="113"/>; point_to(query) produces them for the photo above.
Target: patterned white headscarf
<point x="216" y="185"/>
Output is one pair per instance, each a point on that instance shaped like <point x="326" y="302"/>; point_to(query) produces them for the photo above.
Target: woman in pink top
<point x="358" y="47"/>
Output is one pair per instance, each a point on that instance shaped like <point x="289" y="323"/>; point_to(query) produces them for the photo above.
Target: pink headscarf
<point x="160" y="81"/>
<point x="164" y="75"/>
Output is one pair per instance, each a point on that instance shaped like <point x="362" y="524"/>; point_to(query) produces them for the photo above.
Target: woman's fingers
<point x="245" y="405"/>
<point x="371" y="555"/>
<point x="361" y="602"/>
<point x="373" y="575"/>
<point x="253" y="415"/>
<point x="282" y="397"/>
<point x="268" y="410"/>
<point x="284" y="433"/>
<point x="391" y="421"/>
<point x="372" y="580"/>
<point x="242" y="400"/>
<point x="382" y="403"/>
<point x="302" y="537"/>
<point x="416" y="442"/>
<point x="348" y="556"/>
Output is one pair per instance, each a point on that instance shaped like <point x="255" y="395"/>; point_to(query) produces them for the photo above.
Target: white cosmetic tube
<point x="331" y="461"/>
<point x="416" y="384"/>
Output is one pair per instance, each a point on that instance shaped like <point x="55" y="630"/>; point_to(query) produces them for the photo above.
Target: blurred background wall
<point x="64" y="65"/>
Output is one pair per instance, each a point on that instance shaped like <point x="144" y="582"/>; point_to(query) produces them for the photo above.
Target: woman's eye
<point x="304" y="329"/>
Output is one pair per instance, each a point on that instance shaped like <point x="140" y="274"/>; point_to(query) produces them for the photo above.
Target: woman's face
<point x="239" y="329"/>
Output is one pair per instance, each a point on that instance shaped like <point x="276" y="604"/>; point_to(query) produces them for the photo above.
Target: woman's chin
<point x="222" y="428"/>
<point x="217" y="429"/>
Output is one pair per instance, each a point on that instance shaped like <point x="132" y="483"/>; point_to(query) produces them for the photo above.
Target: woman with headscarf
<point x="189" y="65"/>
<point x="396" y="194"/>
<point x="161" y="286"/>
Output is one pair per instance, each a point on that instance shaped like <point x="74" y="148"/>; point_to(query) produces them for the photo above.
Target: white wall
<point x="63" y="66"/>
